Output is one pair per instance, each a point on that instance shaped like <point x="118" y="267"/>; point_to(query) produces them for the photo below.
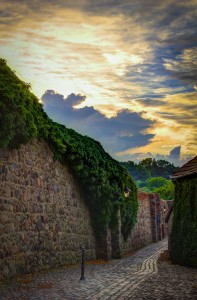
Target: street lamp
<point x="126" y="192"/>
<point x="164" y="209"/>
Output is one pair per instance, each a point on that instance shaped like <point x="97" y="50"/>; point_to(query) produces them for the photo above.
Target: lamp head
<point x="126" y="191"/>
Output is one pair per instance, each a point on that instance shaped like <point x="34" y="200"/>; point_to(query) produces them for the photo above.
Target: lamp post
<point x="82" y="263"/>
<point x="126" y="192"/>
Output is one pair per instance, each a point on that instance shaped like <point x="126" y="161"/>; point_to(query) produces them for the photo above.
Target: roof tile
<point x="188" y="169"/>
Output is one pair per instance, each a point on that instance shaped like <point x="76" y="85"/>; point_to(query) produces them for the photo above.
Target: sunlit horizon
<point x="132" y="62"/>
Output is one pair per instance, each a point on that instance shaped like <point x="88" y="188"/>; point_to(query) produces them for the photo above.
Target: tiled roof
<point x="188" y="169"/>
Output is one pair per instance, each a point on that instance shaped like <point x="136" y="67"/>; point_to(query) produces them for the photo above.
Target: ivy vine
<point x="183" y="237"/>
<point x="100" y="177"/>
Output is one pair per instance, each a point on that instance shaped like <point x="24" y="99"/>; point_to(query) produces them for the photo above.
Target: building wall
<point x="43" y="219"/>
<point x="142" y="233"/>
<point x="150" y="226"/>
<point x="183" y="237"/>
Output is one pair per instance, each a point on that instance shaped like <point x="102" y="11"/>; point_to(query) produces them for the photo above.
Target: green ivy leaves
<point x="184" y="229"/>
<point x="99" y="176"/>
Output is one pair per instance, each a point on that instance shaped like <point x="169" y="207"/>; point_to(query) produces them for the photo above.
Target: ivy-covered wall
<point x="183" y="240"/>
<point x="101" y="179"/>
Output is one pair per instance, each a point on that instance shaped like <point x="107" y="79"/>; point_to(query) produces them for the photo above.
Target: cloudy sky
<point x="121" y="71"/>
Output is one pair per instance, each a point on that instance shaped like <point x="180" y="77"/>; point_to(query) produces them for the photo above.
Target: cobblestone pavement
<point x="139" y="276"/>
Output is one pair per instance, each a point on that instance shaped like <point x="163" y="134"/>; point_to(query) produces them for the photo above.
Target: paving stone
<point x="139" y="276"/>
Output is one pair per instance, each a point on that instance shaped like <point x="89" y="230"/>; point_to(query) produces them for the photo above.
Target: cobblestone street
<point x="139" y="276"/>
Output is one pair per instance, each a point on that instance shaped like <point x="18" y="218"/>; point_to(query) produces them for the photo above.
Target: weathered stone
<point x="4" y="218"/>
<point x="5" y="272"/>
<point x="34" y="222"/>
<point x="44" y="220"/>
<point x="12" y="267"/>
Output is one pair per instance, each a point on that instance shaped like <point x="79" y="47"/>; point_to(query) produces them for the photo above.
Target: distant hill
<point x="148" y="168"/>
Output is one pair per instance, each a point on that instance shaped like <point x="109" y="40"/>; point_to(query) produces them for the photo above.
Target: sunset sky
<point x="121" y="71"/>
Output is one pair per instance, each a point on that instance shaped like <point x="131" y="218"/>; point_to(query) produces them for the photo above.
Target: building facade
<point x="183" y="237"/>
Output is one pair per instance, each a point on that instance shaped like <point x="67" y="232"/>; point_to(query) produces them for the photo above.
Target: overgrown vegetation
<point x="101" y="178"/>
<point x="150" y="167"/>
<point x="157" y="185"/>
<point x="152" y="176"/>
<point x="184" y="228"/>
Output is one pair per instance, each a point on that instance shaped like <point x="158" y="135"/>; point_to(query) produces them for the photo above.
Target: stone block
<point x="33" y="226"/>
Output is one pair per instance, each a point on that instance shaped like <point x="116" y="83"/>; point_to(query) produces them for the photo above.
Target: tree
<point x="146" y="163"/>
<point x="137" y="171"/>
<point x="167" y="191"/>
<point x="153" y="176"/>
<point x="155" y="182"/>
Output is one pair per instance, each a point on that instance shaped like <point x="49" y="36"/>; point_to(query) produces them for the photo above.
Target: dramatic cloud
<point x="124" y="131"/>
<point x="134" y="61"/>
<point x="184" y="67"/>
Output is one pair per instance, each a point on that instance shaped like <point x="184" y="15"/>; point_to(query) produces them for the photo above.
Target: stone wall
<point x="142" y="233"/>
<point x="43" y="219"/>
<point x="150" y="226"/>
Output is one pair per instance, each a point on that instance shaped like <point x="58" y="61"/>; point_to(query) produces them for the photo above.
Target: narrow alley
<point x="139" y="276"/>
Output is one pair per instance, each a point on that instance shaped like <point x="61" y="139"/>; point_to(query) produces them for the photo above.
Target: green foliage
<point x="157" y="185"/>
<point x="21" y="116"/>
<point x="100" y="177"/>
<point x="137" y="171"/>
<point x="148" y="168"/>
<point x="151" y="176"/>
<point x="166" y="191"/>
<point x="126" y="220"/>
<point x="155" y="182"/>
<point x="158" y="168"/>
<point x="184" y="228"/>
